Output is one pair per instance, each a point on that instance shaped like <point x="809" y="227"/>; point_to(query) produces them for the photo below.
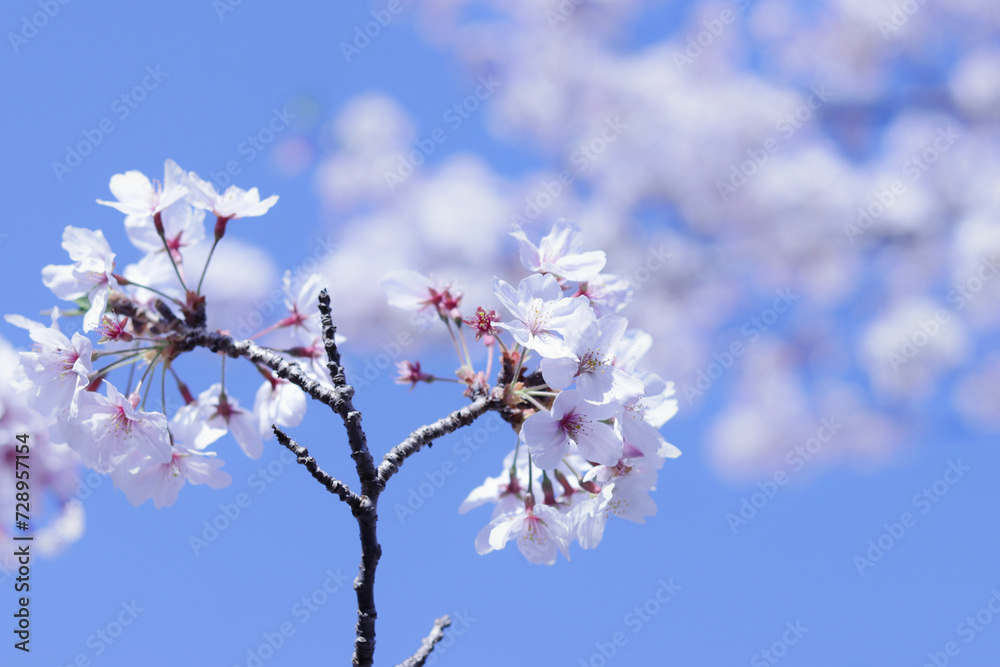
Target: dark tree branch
<point x="364" y="506"/>
<point x="330" y="340"/>
<point x="367" y="514"/>
<point x="283" y="368"/>
<point x="427" y="645"/>
<point x="427" y="434"/>
<point x="364" y="583"/>
<point x="332" y="484"/>
<point x="345" y="408"/>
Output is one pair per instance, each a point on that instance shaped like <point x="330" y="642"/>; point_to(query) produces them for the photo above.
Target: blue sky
<point x="733" y="593"/>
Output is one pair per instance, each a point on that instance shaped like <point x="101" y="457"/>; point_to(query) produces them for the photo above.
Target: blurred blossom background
<point x="803" y="195"/>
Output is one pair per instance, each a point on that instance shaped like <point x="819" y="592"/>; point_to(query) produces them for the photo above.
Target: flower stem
<point x="101" y="372"/>
<point x="465" y="347"/>
<point x="166" y="246"/>
<point x="273" y="327"/>
<point x="517" y="368"/>
<point x="531" y="474"/>
<point x="98" y="355"/>
<point x="156" y="291"/>
<point x="131" y="374"/>
<point x="223" y="382"/>
<point x="152" y="365"/>
<point x="207" y="262"/>
<point x="532" y="400"/>
<point x="163" y="388"/>
<point x="454" y="341"/>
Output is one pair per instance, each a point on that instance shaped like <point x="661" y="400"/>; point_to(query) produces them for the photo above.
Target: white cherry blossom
<point x="113" y="427"/>
<point x="572" y="420"/>
<point x="541" y="533"/>
<point x="91" y="275"/>
<point x="542" y="315"/>
<point x="559" y="253"/>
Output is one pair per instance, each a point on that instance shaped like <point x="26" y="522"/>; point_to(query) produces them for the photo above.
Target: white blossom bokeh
<point x="844" y="153"/>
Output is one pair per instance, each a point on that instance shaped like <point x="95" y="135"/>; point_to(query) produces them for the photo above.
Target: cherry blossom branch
<point x="330" y="340"/>
<point x="364" y="583"/>
<point x="345" y="407"/>
<point x="332" y="484"/>
<point x="366" y="514"/>
<point x="283" y="368"/>
<point x="426" y="435"/>
<point x="363" y="505"/>
<point x="427" y="645"/>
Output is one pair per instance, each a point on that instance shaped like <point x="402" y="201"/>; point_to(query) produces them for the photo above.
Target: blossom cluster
<point x="133" y="320"/>
<point x="587" y="414"/>
<point x="56" y="515"/>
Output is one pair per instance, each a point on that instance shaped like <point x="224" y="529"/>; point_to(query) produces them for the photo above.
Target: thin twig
<point x="332" y="484"/>
<point x="427" y="645"/>
<point x="283" y="368"/>
<point x="427" y="434"/>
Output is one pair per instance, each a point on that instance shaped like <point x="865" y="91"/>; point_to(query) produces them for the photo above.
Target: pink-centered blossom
<point x="143" y="478"/>
<point x="572" y="420"/>
<point x="410" y="373"/>
<point x="410" y="290"/>
<point x="91" y="275"/>
<point x="630" y="482"/>
<point x="112" y="427"/>
<point x="113" y="330"/>
<point x="302" y="302"/>
<point x="484" y="322"/>
<point x="541" y="532"/>
<point x="222" y="411"/>
<point x="183" y="228"/>
<point x="591" y="346"/>
<point x="542" y="316"/>
<point x="58" y="367"/>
